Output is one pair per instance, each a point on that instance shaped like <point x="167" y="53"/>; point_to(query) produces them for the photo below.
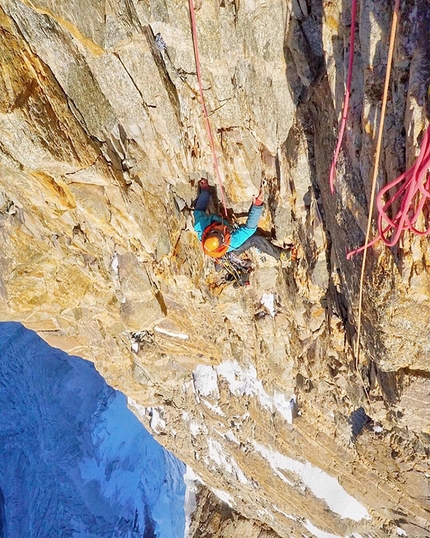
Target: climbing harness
<point x="203" y="105"/>
<point x="237" y="270"/>
<point x="345" y="105"/>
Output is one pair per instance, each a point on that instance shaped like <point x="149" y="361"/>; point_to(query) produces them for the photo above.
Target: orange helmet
<point x="216" y="240"/>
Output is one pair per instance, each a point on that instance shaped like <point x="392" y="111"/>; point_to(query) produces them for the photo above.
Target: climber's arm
<point x="245" y="231"/>
<point x="201" y="219"/>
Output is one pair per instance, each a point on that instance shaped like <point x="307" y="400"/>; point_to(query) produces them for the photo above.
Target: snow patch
<point x="138" y="409"/>
<point x="268" y="300"/>
<point x="225" y="461"/>
<point x="194" y="428"/>
<point x="192" y="475"/>
<point x="223" y="496"/>
<point x="321" y="484"/>
<point x="288" y="516"/>
<point x="401" y="532"/>
<point x="190" y="503"/>
<point x="244" y="382"/>
<point x="157" y="422"/>
<point x="188" y="387"/>
<point x="161" y="330"/>
<point x="231" y="437"/>
<point x="206" y="381"/>
<point x="115" y="263"/>
<point x="318" y="532"/>
<point x="263" y="512"/>
<point x="285" y="407"/>
<point x="215" y="408"/>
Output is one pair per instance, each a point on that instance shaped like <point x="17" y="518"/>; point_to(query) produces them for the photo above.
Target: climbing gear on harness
<point x="237" y="270"/>
<point x="216" y="240"/>
<point x="285" y="256"/>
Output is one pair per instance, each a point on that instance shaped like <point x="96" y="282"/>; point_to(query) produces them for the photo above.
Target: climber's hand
<point x="294" y="253"/>
<point x="260" y="197"/>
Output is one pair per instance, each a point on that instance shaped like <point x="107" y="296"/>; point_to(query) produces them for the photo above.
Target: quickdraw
<point x="237" y="270"/>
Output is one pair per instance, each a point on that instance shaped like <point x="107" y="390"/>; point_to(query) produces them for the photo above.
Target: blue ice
<point x="74" y="460"/>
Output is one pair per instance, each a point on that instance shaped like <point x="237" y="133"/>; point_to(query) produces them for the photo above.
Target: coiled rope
<point x="412" y="197"/>
<point x="203" y="104"/>
<point x="345" y="105"/>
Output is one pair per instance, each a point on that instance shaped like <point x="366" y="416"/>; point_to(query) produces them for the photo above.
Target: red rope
<point x="202" y="102"/>
<point x="413" y="191"/>
<point x="345" y="105"/>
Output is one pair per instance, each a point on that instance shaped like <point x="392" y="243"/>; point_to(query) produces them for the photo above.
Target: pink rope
<point x="202" y="102"/>
<point x="413" y="192"/>
<point x="345" y="105"/>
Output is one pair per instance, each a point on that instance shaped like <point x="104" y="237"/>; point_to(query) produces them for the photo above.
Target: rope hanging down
<point x="345" y="105"/>
<point x="415" y="191"/>
<point x="202" y="102"/>
<point x="375" y="172"/>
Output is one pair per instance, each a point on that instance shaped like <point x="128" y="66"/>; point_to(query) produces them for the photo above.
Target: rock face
<point x="102" y="142"/>
<point x="214" y="518"/>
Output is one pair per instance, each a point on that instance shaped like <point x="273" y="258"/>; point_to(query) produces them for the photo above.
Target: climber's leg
<point x="261" y="243"/>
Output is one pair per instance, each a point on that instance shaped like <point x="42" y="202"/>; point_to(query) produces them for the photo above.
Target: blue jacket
<point x="238" y="235"/>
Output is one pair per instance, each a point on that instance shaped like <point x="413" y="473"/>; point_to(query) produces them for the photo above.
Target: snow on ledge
<point x="115" y="263"/>
<point x="161" y="330"/>
<point x="244" y="382"/>
<point x="223" y="496"/>
<point x="224" y="461"/>
<point x="191" y="478"/>
<point x="206" y="381"/>
<point x="190" y="503"/>
<point x="268" y="301"/>
<point x="322" y="485"/>
<point x="318" y="532"/>
<point x="157" y="422"/>
<point x="214" y="408"/>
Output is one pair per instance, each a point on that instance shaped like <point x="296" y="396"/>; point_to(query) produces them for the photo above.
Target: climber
<point x="218" y="238"/>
